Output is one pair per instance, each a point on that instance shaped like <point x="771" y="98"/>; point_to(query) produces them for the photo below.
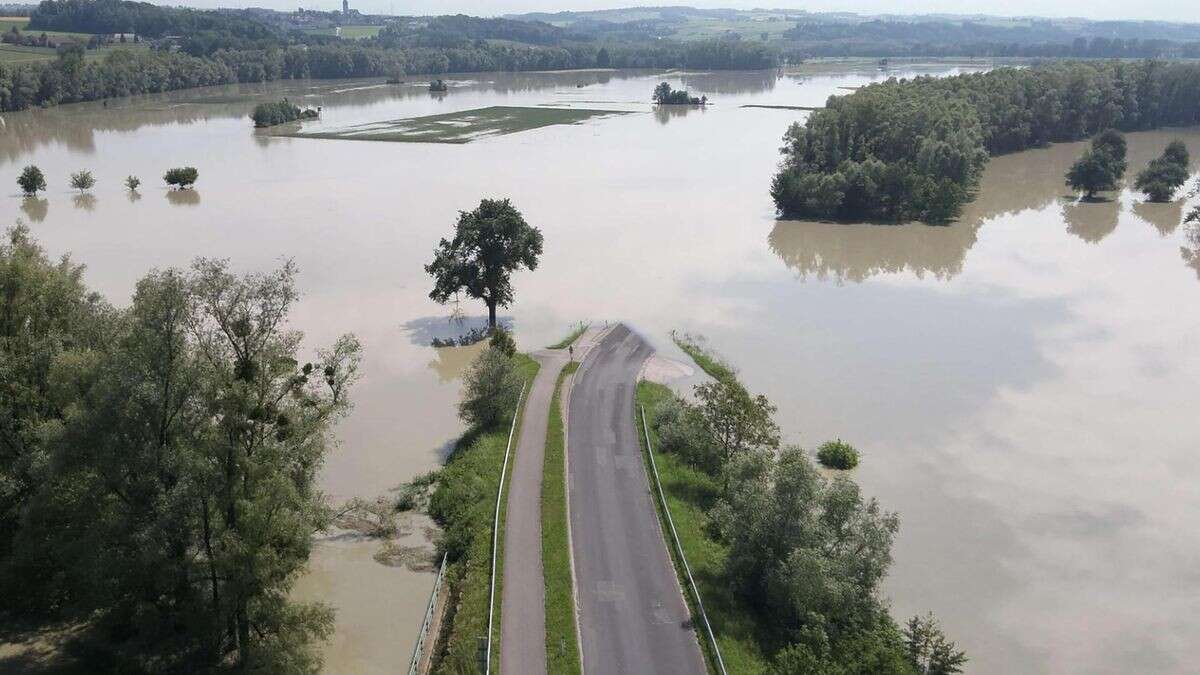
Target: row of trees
<point x="1103" y="165"/>
<point x="665" y="95"/>
<point x="807" y="553"/>
<point x="279" y="112"/>
<point x="158" y="462"/>
<point x="31" y="179"/>
<point x="915" y="149"/>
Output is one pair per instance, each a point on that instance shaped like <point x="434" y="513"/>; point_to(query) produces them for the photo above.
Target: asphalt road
<point x="523" y="603"/>
<point x="631" y="612"/>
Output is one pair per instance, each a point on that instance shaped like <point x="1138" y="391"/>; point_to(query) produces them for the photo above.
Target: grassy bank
<point x="465" y="500"/>
<point x="571" y="337"/>
<point x="562" y="646"/>
<point x="690" y="493"/>
<point x="715" y="366"/>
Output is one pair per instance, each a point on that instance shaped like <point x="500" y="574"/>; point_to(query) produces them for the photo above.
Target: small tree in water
<point x="31" y="180"/>
<point x="1163" y="176"/>
<point x="181" y="177"/>
<point x="1101" y="167"/>
<point x="83" y="181"/>
<point x="489" y="244"/>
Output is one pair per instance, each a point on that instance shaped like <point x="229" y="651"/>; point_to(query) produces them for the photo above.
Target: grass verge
<point x="464" y="502"/>
<point x="562" y="646"/>
<point x="715" y="366"/>
<point x="571" y="337"/>
<point x="690" y="493"/>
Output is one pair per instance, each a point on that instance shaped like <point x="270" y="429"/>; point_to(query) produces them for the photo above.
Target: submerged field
<point x="463" y="126"/>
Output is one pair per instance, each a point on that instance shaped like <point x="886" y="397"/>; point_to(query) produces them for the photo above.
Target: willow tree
<point x="489" y="244"/>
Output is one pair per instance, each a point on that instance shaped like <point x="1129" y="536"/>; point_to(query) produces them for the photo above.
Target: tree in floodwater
<point x="489" y="244"/>
<point x="1101" y="167"/>
<point x="31" y="180"/>
<point x="1164" y="174"/>
<point x="736" y="421"/>
<point x="83" y="181"/>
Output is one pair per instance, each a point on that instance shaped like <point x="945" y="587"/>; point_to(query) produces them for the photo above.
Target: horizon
<point x="1104" y="10"/>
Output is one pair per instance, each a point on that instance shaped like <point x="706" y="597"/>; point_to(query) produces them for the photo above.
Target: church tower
<point x="345" y="6"/>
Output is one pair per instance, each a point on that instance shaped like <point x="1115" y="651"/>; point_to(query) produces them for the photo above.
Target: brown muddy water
<point x="1022" y="383"/>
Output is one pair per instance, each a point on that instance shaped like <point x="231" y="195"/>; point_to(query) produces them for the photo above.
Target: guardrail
<point x="679" y="547"/>
<point x="419" y="650"/>
<point x="496" y="529"/>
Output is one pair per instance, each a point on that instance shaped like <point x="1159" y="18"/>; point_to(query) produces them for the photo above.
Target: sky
<point x="1166" y="10"/>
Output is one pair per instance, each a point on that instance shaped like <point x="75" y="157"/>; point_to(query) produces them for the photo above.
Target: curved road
<point x="632" y="616"/>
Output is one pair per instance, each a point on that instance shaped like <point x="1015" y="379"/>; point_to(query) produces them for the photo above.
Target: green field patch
<point x="458" y="127"/>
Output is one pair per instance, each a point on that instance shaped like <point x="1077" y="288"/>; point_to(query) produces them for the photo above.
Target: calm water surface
<point x="1022" y="382"/>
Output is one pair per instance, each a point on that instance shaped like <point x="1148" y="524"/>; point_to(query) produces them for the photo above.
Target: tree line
<point x="915" y="149"/>
<point x="158" y="462"/>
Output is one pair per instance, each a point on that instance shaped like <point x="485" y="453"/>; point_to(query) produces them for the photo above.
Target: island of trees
<point x="280" y="112"/>
<point x="914" y="149"/>
<point x="665" y="95"/>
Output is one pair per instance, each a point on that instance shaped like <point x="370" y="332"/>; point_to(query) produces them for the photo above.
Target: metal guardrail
<point x="679" y="547"/>
<point x="496" y="529"/>
<point x="419" y="650"/>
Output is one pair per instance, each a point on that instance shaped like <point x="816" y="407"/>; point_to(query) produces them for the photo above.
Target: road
<point x="631" y="612"/>
<point x="523" y="604"/>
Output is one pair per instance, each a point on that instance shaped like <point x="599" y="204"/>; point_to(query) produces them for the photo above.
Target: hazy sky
<point x="1170" y="10"/>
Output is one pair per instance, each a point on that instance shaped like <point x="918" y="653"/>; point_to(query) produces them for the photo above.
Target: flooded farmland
<point x="1022" y="383"/>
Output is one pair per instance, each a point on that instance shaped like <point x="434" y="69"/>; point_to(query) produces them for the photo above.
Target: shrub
<point x="1165" y="174"/>
<point x="132" y="182"/>
<point x="838" y="455"/>
<point x="491" y="388"/>
<point x="681" y="431"/>
<point x="502" y="340"/>
<point x="181" y="177"/>
<point x="31" y="180"/>
<point x="83" y="181"/>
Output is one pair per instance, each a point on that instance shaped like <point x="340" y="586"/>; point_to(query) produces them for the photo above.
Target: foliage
<point x="502" y="341"/>
<point x="709" y="362"/>
<point x="929" y="650"/>
<point x="438" y="86"/>
<point x="838" y="455"/>
<point x="181" y="177"/>
<point x="491" y="388"/>
<point x="682" y="431"/>
<point x="132" y="182"/>
<point x="736" y="421"/>
<point x="31" y="180"/>
<point x="1101" y="167"/>
<point x="279" y="112"/>
<point x="665" y="95"/>
<point x="489" y="244"/>
<point x="175" y="500"/>
<point x="915" y="149"/>
<point x="1165" y="174"/>
<point x="414" y="495"/>
<point x="83" y="181"/>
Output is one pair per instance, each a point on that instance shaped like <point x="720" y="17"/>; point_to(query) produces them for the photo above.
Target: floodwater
<point x="1022" y="383"/>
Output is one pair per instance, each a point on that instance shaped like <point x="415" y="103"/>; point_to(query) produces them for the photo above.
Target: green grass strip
<point x="562" y="646"/>
<point x="690" y="494"/>
<point x="571" y="337"/>
<point x="715" y="366"/>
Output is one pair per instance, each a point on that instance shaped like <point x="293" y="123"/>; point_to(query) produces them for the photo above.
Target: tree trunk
<point x="491" y="315"/>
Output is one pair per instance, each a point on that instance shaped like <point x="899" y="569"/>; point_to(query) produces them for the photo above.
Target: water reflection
<point x="424" y="330"/>
<point x="1091" y="220"/>
<point x="188" y="197"/>
<point x="665" y="113"/>
<point x="1165" y="217"/>
<point x="856" y="252"/>
<point x="450" y="362"/>
<point x="133" y="196"/>
<point x="1190" y="251"/>
<point x="35" y="208"/>
<point x="85" y="201"/>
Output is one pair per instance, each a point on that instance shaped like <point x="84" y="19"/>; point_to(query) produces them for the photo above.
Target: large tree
<point x="736" y="420"/>
<point x="1101" y="167"/>
<point x="489" y="244"/>
<point x="1163" y="175"/>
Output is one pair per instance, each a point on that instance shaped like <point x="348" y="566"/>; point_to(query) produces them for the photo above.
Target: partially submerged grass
<point x="690" y="493"/>
<point x="571" y="337"/>
<point x="562" y="646"/>
<point x="463" y="126"/>
<point x="473" y="472"/>
<point x="716" y="367"/>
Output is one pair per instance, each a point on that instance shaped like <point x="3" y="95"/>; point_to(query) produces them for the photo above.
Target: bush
<point x="83" y="181"/>
<point x="491" y="388"/>
<point x="31" y="180"/>
<point x="1165" y="174"/>
<point x="503" y="341"/>
<point x="681" y="432"/>
<point x="182" y="177"/>
<point x="132" y="182"/>
<point x="838" y="455"/>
